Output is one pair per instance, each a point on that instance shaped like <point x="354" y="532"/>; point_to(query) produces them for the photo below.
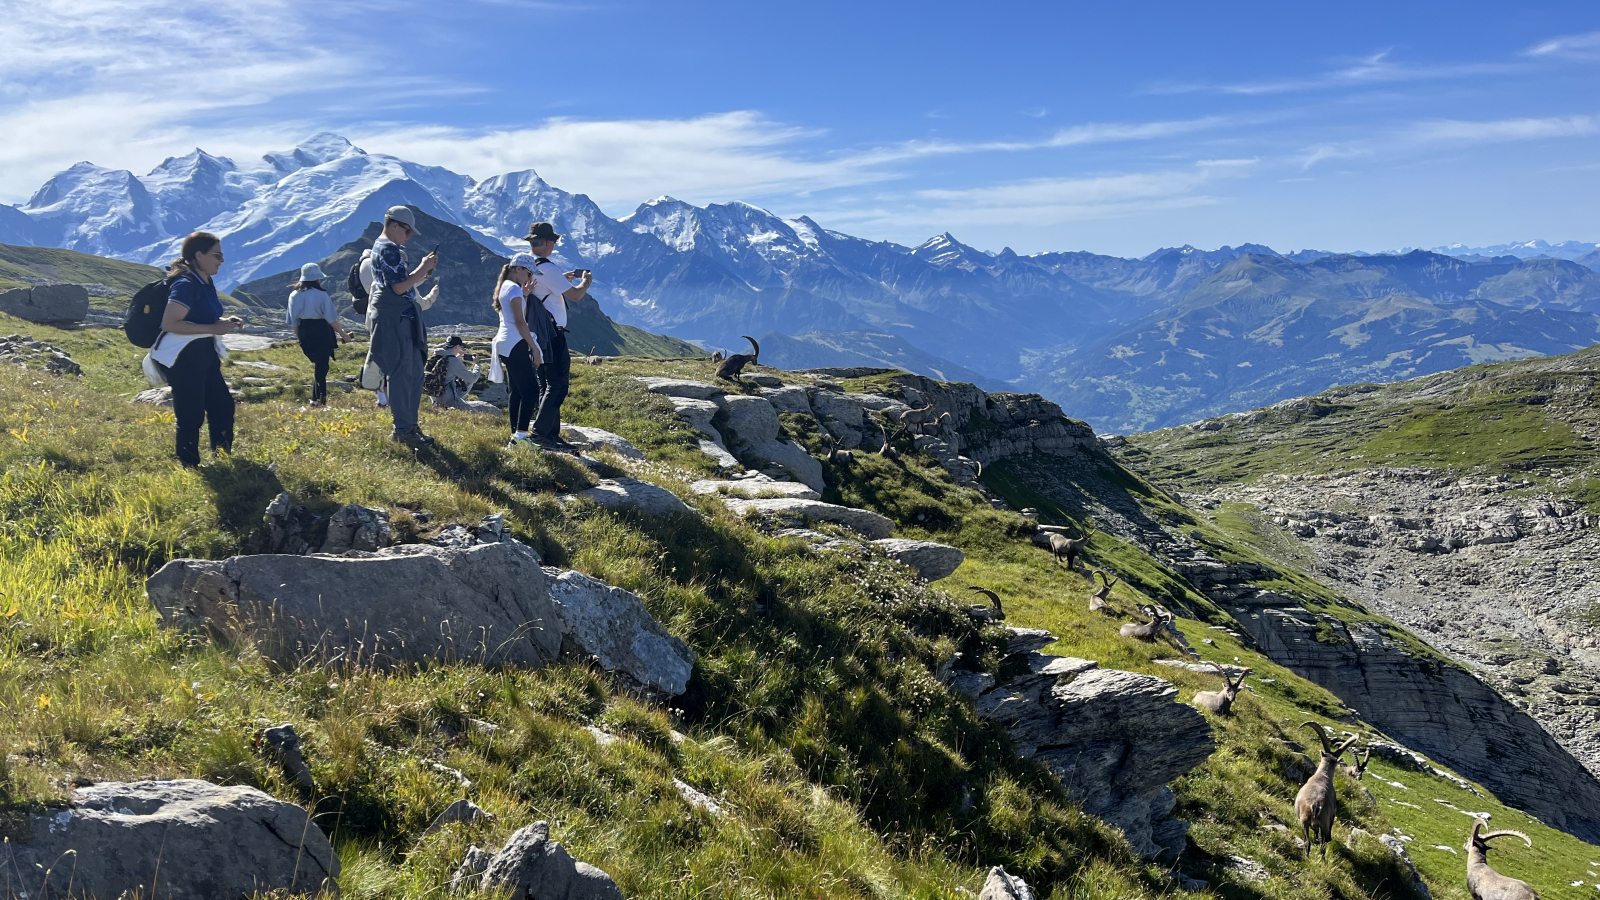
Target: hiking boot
<point x="414" y="439"/>
<point x="523" y="441"/>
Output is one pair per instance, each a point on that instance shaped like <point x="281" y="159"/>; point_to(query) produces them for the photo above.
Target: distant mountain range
<point x="1123" y="343"/>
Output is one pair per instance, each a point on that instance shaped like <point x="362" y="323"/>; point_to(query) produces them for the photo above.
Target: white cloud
<point x="1572" y="46"/>
<point x="1468" y="132"/>
<point x="1375" y="68"/>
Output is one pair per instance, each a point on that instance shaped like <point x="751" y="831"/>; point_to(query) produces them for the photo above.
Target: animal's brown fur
<point x="1098" y="602"/>
<point x="1221" y="702"/>
<point x="732" y="367"/>
<point x="1485" y="883"/>
<point x="1318" y="800"/>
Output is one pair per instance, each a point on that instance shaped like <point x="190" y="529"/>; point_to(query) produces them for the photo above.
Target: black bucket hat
<point x="542" y="231"/>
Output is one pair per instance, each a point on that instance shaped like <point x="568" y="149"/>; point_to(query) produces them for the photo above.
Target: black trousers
<point x="200" y="395"/>
<point x="554" y="377"/>
<point x="522" y="380"/>
<point x="317" y="342"/>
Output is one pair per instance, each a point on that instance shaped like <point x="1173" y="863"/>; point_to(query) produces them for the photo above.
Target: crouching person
<point x="448" y="379"/>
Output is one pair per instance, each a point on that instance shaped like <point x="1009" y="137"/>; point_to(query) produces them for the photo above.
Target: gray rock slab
<point x="1002" y="886"/>
<point x="532" y="867"/>
<point x="52" y="304"/>
<point x="864" y="521"/>
<point x="492" y="603"/>
<point x="759" y="486"/>
<point x="1027" y="640"/>
<point x="599" y="437"/>
<point x="790" y="398"/>
<point x="789" y="458"/>
<point x="462" y="810"/>
<point x="932" y="561"/>
<point x="720" y="454"/>
<point x="840" y="415"/>
<point x="245" y="343"/>
<point x="750" y="421"/>
<point x="679" y="387"/>
<point x="357" y="527"/>
<point x="208" y="840"/>
<point x="161" y="396"/>
<point x="619" y="493"/>
<point x="819" y="540"/>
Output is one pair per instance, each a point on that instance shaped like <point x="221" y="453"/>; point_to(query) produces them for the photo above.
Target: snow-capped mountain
<point x="1521" y="250"/>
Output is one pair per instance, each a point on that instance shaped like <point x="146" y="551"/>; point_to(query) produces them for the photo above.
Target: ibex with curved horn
<point x="1221" y="702"/>
<point x="1362" y="757"/>
<point x="998" y="613"/>
<point x="1097" y="602"/>
<point x="1061" y="545"/>
<point x="1484" y="882"/>
<point x="1318" y="801"/>
<point x="731" y="368"/>
<point x="887" y="451"/>
<point x="1148" y="631"/>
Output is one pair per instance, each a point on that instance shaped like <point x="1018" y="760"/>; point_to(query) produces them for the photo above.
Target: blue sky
<point x="1039" y="126"/>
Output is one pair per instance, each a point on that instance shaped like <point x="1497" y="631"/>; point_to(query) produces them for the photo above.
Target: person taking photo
<point x="554" y="289"/>
<point x="399" y="345"/>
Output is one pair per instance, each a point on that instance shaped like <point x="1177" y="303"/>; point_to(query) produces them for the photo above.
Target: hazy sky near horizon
<point x="1039" y="126"/>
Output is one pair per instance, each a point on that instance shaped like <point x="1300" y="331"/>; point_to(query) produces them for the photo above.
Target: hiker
<point x="521" y="345"/>
<point x="448" y="380"/>
<point x="315" y="321"/>
<point x="399" y="337"/>
<point x="189" y="352"/>
<point x="555" y="290"/>
<point x="363" y="274"/>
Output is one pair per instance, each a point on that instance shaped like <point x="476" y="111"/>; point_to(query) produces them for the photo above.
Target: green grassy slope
<point x="17" y="264"/>
<point x="813" y="716"/>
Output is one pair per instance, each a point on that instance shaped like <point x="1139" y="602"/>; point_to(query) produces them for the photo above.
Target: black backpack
<point x="358" y="291"/>
<point x="434" y="375"/>
<point x="144" y="314"/>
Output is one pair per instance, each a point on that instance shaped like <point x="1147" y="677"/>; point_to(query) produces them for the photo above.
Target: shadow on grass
<point x="242" y="489"/>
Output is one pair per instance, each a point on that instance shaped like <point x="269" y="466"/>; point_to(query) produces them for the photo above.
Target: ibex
<point x="1362" y="757"/>
<point x="836" y="456"/>
<point x="1097" y="603"/>
<point x="592" y="359"/>
<point x="717" y="356"/>
<point x="994" y="600"/>
<point x="1484" y="882"/>
<point x="1318" y="801"/>
<point x="731" y="367"/>
<point x="914" y="419"/>
<point x="1148" y="631"/>
<point x="887" y="451"/>
<point x="1221" y="702"/>
<point x="1061" y="545"/>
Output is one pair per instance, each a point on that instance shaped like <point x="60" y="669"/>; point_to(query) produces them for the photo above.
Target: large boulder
<point x="788" y="458"/>
<point x="619" y="493"/>
<point x="755" y="486"/>
<point x="841" y="415"/>
<point x="50" y="304"/>
<point x="532" y="867"/>
<point x="599" y="437"/>
<point x="751" y="420"/>
<point x="170" y="840"/>
<point x="789" y="398"/>
<point x="932" y="561"/>
<point x="678" y="387"/>
<point x="491" y="603"/>
<point x="699" y="413"/>
<point x="864" y="521"/>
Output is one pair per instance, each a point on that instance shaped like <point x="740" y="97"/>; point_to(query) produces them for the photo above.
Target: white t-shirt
<point x="550" y="286"/>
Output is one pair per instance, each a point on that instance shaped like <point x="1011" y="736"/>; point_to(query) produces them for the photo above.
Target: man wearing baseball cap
<point x="399" y="338"/>
<point x="555" y="290"/>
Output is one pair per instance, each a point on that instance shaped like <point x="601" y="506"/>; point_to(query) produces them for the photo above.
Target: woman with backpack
<point x="188" y="349"/>
<point x="315" y="321"/>
<point x="516" y="354"/>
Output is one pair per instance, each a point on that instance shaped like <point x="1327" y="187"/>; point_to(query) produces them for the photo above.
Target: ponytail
<point x="193" y="245"/>
<point x="494" y="296"/>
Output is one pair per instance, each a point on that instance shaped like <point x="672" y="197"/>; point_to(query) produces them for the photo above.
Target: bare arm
<point x="580" y="290"/>
<point x="519" y="314"/>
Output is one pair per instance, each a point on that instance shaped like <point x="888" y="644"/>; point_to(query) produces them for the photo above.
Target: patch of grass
<point x="1492" y="434"/>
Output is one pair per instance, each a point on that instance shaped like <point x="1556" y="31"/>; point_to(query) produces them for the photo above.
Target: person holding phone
<point x="399" y="346"/>
<point x="189" y="351"/>
<point x="555" y="290"/>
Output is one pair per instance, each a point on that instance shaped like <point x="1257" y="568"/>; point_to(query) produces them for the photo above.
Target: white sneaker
<point x="525" y="440"/>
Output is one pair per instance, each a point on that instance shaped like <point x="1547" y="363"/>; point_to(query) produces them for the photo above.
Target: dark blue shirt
<point x="205" y="308"/>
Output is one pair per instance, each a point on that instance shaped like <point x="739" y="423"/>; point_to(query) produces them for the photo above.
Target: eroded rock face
<point x="1113" y="738"/>
<point x="932" y="561"/>
<point x="211" y="842"/>
<point x="50" y="304"/>
<point x="864" y="521"/>
<point x="492" y="603"/>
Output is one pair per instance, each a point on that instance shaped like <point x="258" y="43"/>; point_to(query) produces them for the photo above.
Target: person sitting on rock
<point x="458" y="378"/>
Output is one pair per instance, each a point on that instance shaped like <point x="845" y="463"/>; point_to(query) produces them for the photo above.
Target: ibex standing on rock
<point x="1484" y="882"/>
<point x="1097" y="603"/>
<point x="732" y="366"/>
<point x="1318" y="801"/>
<point x="1221" y="702"/>
<point x="1061" y="545"/>
<point x="913" y="420"/>
<point x="1148" y="631"/>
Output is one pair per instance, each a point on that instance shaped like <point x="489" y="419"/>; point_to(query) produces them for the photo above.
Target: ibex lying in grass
<point x="998" y="612"/>
<point x="1221" y="702"/>
<point x="731" y="367"/>
<point x="1148" y="631"/>
<point x="1061" y="545"/>
<point x="887" y="451"/>
<point x="1484" y="882"/>
<point x="1318" y="801"/>
<point x="837" y="456"/>
<point x="1362" y="757"/>
<point x="1097" y="603"/>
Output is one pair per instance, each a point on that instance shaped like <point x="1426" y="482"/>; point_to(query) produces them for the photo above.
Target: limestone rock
<point x="678" y="387"/>
<point x="697" y="799"/>
<point x="757" y="486"/>
<point x="751" y="421"/>
<point x="462" y="810"/>
<point x="789" y="398"/>
<point x="864" y="521"/>
<point x="790" y="459"/>
<point x="285" y="744"/>
<point x="699" y="413"/>
<point x="932" y="561"/>
<point x="467" y="875"/>
<point x="496" y="394"/>
<point x="841" y="415"/>
<point x="161" y="396"/>
<point x="818" y="540"/>
<point x="50" y="304"/>
<point x="599" y="437"/>
<point x="358" y="527"/>
<point x="211" y="841"/>
<point x="618" y="493"/>
<point x="1398" y="848"/>
<point x="491" y="603"/>
<point x="532" y="867"/>
<point x="1001" y="886"/>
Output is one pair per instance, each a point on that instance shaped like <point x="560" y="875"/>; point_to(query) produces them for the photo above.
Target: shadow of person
<point x="242" y="489"/>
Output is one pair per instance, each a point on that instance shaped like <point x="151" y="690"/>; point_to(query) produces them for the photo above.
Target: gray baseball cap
<point x="403" y="215"/>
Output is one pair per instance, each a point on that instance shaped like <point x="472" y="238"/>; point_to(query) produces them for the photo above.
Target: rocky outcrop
<point x="932" y="561"/>
<point x="47" y="304"/>
<point x="753" y="486"/>
<point x="205" y="841"/>
<point x="784" y="509"/>
<point x="1113" y="738"/>
<point x="532" y="867"/>
<point x="1001" y="886"/>
<point x="595" y="438"/>
<point x="24" y="351"/>
<point x="751" y="430"/>
<point x="620" y="493"/>
<point x="491" y="603"/>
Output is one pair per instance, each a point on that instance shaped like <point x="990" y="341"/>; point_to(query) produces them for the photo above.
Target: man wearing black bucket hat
<point x="555" y="289"/>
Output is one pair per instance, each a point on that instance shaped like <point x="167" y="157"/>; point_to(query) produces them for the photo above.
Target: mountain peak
<point x="322" y="147"/>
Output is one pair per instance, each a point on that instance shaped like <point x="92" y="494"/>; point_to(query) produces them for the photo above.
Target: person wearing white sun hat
<point x="522" y="345"/>
<point x="315" y="320"/>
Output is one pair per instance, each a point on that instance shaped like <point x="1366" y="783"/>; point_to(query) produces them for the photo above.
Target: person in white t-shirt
<point x="517" y="353"/>
<point x="554" y="289"/>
